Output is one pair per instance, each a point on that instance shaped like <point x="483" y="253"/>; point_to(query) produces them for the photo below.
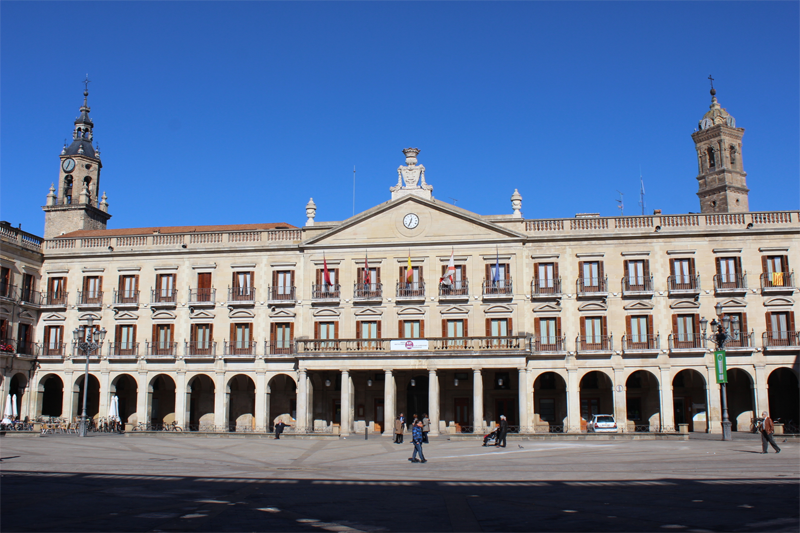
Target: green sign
<point x="720" y="366"/>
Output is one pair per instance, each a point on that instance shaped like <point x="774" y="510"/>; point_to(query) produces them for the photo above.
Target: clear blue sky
<point x="232" y="113"/>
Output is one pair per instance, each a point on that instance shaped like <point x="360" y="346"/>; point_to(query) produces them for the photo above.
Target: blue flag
<point x="496" y="276"/>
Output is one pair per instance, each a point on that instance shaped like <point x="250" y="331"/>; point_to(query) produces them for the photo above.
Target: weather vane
<point x="86" y="83"/>
<point x="712" y="80"/>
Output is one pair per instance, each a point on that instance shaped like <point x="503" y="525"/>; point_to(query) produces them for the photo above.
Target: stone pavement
<point x="114" y="483"/>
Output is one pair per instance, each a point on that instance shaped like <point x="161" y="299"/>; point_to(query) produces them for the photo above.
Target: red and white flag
<point x="450" y="273"/>
<point x="326" y="276"/>
<point x="367" y="280"/>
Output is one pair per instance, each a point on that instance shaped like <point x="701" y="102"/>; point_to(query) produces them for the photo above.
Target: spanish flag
<point x="409" y="270"/>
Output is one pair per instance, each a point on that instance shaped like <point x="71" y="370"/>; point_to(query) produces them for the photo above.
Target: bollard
<point x="366" y="433"/>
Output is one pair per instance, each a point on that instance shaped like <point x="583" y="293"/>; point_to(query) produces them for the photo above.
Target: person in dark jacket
<point x="416" y="438"/>
<point x="767" y="429"/>
<point x="491" y="435"/>
<point x="501" y="435"/>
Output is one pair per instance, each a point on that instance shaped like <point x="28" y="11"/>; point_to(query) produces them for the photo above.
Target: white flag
<point x="449" y="275"/>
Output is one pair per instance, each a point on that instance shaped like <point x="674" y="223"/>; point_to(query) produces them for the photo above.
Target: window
<point x="594" y="330"/>
<point x="165" y="288"/>
<point x="204" y="291"/>
<point x="459" y="284"/>
<point x="368" y="330"/>
<point x="548" y="333"/>
<point x="241" y="339"/>
<point x="162" y="339"/>
<point x="5" y="282"/>
<point x="411" y="329"/>
<point x="776" y="270"/>
<point x="455" y="329"/>
<point x="281" y="337"/>
<point x="68" y="190"/>
<point x="682" y="274"/>
<point x="498" y="278"/>
<point x="24" y="344"/>
<point x="546" y="280"/>
<point x="592" y="277"/>
<point x="685" y="329"/>
<point x="593" y="333"/>
<point x="53" y="337"/>
<point x="639" y="332"/>
<point x="3" y="330"/>
<point x="411" y="283"/>
<point x="329" y="332"/>
<point x="329" y="288"/>
<point x="125" y="339"/>
<point x="712" y="162"/>
<point x="28" y="286"/>
<point x="729" y="272"/>
<point x="92" y="290"/>
<point x="242" y="286"/>
<point x="637" y="275"/>
<point x="283" y="285"/>
<point x="781" y="329"/>
<point x="500" y="328"/>
<point x="369" y="283"/>
<point x="128" y="290"/>
<point x="739" y="336"/>
<point x="201" y="343"/>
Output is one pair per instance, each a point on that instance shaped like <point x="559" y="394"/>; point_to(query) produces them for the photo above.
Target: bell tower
<point x="721" y="177"/>
<point x="74" y="205"/>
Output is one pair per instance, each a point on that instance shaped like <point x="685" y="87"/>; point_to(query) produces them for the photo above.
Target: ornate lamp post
<point x="721" y="333"/>
<point x="88" y="340"/>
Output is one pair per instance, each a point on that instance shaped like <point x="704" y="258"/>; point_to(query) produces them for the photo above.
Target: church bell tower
<point x="74" y="205"/>
<point x="721" y="177"/>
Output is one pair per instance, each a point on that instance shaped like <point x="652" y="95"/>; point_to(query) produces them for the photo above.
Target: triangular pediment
<point x="456" y="310"/>
<point x="547" y="308"/>
<point x="639" y="305"/>
<point x="202" y="313"/>
<point x="439" y="222"/>
<point x="499" y="309"/>
<point x="327" y="312"/>
<point x="27" y="314"/>
<point x="684" y="304"/>
<point x="734" y="302"/>
<point x="593" y="306"/>
<point x="241" y="314"/>
<point x="411" y="311"/>
<point x="778" y="301"/>
<point x="54" y="317"/>
<point x="5" y="310"/>
<point x="282" y="313"/>
<point x="369" y="312"/>
<point x="126" y="315"/>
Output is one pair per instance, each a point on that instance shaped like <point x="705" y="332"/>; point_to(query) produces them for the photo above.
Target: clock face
<point x="68" y="165"/>
<point x="411" y="221"/>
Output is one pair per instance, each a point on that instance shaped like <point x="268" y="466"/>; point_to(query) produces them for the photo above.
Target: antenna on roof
<point x="354" y="190"/>
<point x="621" y="205"/>
<point x="454" y="199"/>
<point x="641" y="191"/>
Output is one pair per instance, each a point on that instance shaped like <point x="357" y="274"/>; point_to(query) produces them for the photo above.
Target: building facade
<point x="414" y="306"/>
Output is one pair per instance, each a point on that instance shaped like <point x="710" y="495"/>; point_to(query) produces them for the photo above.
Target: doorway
<point x="462" y="418"/>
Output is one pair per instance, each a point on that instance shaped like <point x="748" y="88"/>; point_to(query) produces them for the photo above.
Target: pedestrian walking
<point x="416" y="438"/>
<point x="426" y="427"/>
<point x="501" y="435"/>
<point x="399" y="426"/>
<point x="767" y="430"/>
<point x="280" y="425"/>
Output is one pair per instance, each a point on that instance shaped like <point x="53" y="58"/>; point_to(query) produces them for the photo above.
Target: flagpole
<point x="354" y="190"/>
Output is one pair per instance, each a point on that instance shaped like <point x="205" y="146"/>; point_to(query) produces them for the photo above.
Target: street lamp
<point x="721" y="333"/>
<point x="88" y="341"/>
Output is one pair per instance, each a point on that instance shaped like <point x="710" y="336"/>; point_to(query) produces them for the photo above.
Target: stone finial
<point x="516" y="204"/>
<point x="97" y="151"/>
<point x="84" y="197"/>
<point x="51" y="196"/>
<point x="104" y="202"/>
<point x="311" y="212"/>
<point x="411" y="156"/>
<point x="80" y="150"/>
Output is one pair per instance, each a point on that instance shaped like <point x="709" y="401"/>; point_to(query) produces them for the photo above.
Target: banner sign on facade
<point x="720" y="366"/>
<point x="406" y="345"/>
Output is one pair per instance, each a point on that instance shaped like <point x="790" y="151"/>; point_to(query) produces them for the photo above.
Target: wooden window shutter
<point x="336" y="330"/>
<point x="768" y="316"/>
<point x="320" y="276"/>
<point x="628" y="325"/>
<point x="672" y="267"/>
<point x="691" y="267"/>
<point x="696" y="325"/>
<point x="764" y="267"/>
<point x="536" y="271"/>
<point x="232" y="338"/>
<point x="646" y="269"/>
<point x="791" y="321"/>
<point x="719" y="268"/>
<point x="234" y="280"/>
<point x="291" y="331"/>
<point x="379" y="335"/>
<point x="603" y="326"/>
<point x="488" y="327"/>
<point x="121" y="284"/>
<point x="400" y="330"/>
<point x="625" y="268"/>
<point x="558" y="326"/>
<point x="743" y="326"/>
<point x="510" y="327"/>
<point x="420" y="274"/>
<point x="194" y="333"/>
<point x="402" y="275"/>
<point x="377" y="275"/>
<point x="785" y="263"/>
<point x="649" y="325"/>
<point x="444" y="270"/>
<point x="580" y="271"/>
<point x="154" y="338"/>
<point x="507" y="269"/>
<point x="85" y="283"/>
<point x="600" y="272"/>
<point x="738" y="265"/>
<point x="316" y="330"/>
<point x="488" y="272"/>
<point x="117" y="333"/>
<point x="359" y="275"/>
<point x="274" y="278"/>
<point x="291" y="278"/>
<point x="555" y="271"/>
<point x="358" y="330"/>
<point x="422" y="328"/>
<point x="463" y="269"/>
<point x="583" y="327"/>
<point x="675" y="324"/>
<point x="273" y="331"/>
<point x="444" y="327"/>
<point x="466" y="327"/>
<point x="537" y="326"/>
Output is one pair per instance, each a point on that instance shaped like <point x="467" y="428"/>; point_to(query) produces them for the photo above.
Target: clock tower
<point x="74" y="205"/>
<point x="721" y="176"/>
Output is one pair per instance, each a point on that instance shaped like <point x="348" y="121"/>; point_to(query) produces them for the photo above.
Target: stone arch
<point x="741" y="399"/>
<point x="241" y="393"/>
<point x="282" y="396"/>
<point x="784" y="400"/>
<point x="643" y="401"/>
<point x="596" y="395"/>
<point x="161" y="400"/>
<point x="18" y="386"/>
<point x="550" y="402"/>
<point x="201" y="390"/>
<point x="92" y="398"/>
<point x="125" y="388"/>
<point x="50" y="396"/>
<point x="690" y="400"/>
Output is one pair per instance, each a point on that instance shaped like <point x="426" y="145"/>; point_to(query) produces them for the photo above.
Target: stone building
<point x="414" y="306"/>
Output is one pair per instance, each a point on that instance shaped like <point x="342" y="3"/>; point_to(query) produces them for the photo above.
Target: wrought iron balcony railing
<point x="326" y="291"/>
<point x="55" y="299"/>
<point x="591" y="285"/>
<point x="745" y="340"/>
<point x="123" y="350"/>
<point x="517" y="343"/>
<point x="161" y="349"/>
<point x="545" y="287"/>
<point x="242" y="294"/>
<point x="458" y="289"/>
<point x="164" y="296"/>
<point x="780" y="338"/>
<point x="414" y="290"/>
<point x="501" y="288"/>
<point x="53" y="350"/>
<point x="30" y="297"/>
<point x="240" y="348"/>
<point x="284" y="347"/>
<point x="202" y="296"/>
<point x="90" y="298"/>
<point x="283" y="293"/>
<point x="549" y="343"/>
<point x="126" y="297"/>
<point x="200" y="349"/>
<point x="686" y="341"/>
<point x="637" y="284"/>
<point x="730" y="282"/>
<point x="594" y="343"/>
<point x="368" y="291"/>
<point x="637" y="343"/>
<point x="8" y="291"/>
<point x="681" y="283"/>
<point x="777" y="280"/>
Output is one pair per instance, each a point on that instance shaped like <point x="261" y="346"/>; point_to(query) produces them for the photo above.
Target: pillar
<point x="302" y="401"/>
<point x="142" y="398"/>
<point x="105" y="394"/>
<point x="620" y="395"/>
<point x="525" y="401"/>
<point x="68" y="395"/>
<point x="433" y="401"/>
<point x="761" y="390"/>
<point x="714" y="405"/>
<point x="573" y="402"/>
<point x="667" y="402"/>
<point x="261" y="414"/>
<point x="309" y="403"/>
<point x="181" y="403"/>
<point x="220" y="402"/>
<point x="347" y="405"/>
<point x="389" y="403"/>
<point x="477" y="400"/>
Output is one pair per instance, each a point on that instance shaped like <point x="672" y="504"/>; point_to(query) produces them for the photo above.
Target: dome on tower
<point x="716" y="114"/>
<point x="82" y="135"/>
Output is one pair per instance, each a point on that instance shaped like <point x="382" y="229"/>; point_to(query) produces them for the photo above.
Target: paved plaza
<point x="178" y="483"/>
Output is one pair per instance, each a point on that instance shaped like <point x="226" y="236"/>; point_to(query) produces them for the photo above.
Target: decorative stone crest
<point x="411" y="178"/>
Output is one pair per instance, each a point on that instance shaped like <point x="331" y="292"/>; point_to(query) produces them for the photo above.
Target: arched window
<point x="712" y="163"/>
<point x="68" y="190"/>
<point x="733" y="155"/>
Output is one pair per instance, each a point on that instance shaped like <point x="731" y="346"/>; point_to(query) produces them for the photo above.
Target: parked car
<point x="602" y="424"/>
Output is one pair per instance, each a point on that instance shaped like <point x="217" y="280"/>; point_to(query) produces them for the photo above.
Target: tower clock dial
<point x="411" y="221"/>
<point x="68" y="165"/>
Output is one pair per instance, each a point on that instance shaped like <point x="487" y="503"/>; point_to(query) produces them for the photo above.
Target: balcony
<point x="502" y="289"/>
<point x="278" y="348"/>
<point x="30" y="297"/>
<point x="242" y="296"/>
<point x="546" y="344"/>
<point x="777" y="282"/>
<point x="408" y="292"/>
<point x="368" y="291"/>
<point x="683" y="285"/>
<point x="8" y="346"/>
<point x="458" y="291"/>
<point x="543" y="288"/>
<point x="200" y="350"/>
<point x="594" y="344"/>
<point x="240" y="349"/>
<point x="419" y="347"/>
<point x="8" y="292"/>
<point x="90" y="298"/>
<point x="641" y="344"/>
<point x="637" y="286"/>
<point x="53" y="351"/>
<point x="126" y="298"/>
<point x="281" y="294"/>
<point x="730" y="284"/>
<point x="163" y="297"/>
<point x="326" y="292"/>
<point x="594" y="287"/>
<point x="202" y="297"/>
<point x="54" y="299"/>
<point x="743" y="343"/>
<point x="123" y="350"/>
<point x="686" y="342"/>
<point x="777" y="340"/>
<point x="78" y="355"/>
<point x="161" y="350"/>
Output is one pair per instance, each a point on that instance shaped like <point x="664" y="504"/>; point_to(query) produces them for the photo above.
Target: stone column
<point x="433" y="401"/>
<point x="667" y="403"/>
<point x="67" y="406"/>
<point x="761" y="390"/>
<point x="261" y="413"/>
<point x="573" y="402"/>
<point x="713" y="405"/>
<point x="181" y="403"/>
<point x="220" y="402"/>
<point x="105" y="394"/>
<point x="142" y="398"/>
<point x="524" y="423"/>
<point x="477" y="400"/>
<point x="302" y="401"/>
<point x="620" y="400"/>
<point x="347" y="415"/>
<point x="389" y="403"/>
